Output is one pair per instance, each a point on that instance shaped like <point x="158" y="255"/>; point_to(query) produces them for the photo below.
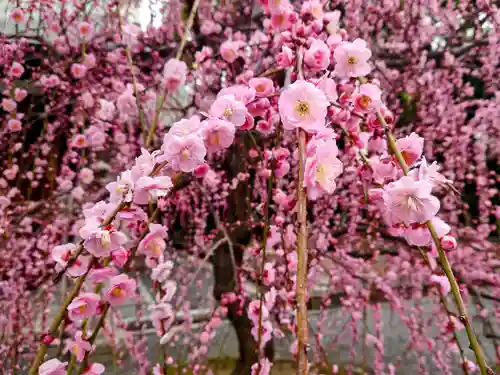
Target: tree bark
<point x="238" y="211"/>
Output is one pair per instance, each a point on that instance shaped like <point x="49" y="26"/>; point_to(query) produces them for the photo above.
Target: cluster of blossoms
<point x="312" y="84"/>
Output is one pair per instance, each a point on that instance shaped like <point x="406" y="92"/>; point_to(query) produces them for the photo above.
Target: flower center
<point x="260" y="88"/>
<point x="117" y="291"/>
<point x="352" y="60"/>
<point x="155" y="247"/>
<point x="105" y="239"/>
<point x="365" y="101"/>
<point x="280" y="19"/>
<point x="321" y="174"/>
<point x="228" y="112"/>
<point x="185" y="154"/>
<point x="302" y="108"/>
<point x="412" y="203"/>
<point x="213" y="138"/>
<point x="82" y="309"/>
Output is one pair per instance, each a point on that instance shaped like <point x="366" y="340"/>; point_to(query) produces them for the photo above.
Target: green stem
<point x="445" y="264"/>
<point x="57" y="321"/>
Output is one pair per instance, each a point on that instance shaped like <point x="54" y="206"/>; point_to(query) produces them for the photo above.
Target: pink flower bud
<point x="449" y="243"/>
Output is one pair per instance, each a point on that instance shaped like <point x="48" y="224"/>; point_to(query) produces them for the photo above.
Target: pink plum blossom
<point x="95" y="369"/>
<point x="78" y="71"/>
<point x="79" y="141"/>
<point x="183" y="128"/>
<point x="285" y="57"/>
<point x="106" y="111"/>
<point x="303" y="105"/>
<point x="86" y="175"/>
<point x="329" y="87"/>
<point x="263" y="367"/>
<point x="122" y="188"/>
<point x="153" y="245"/>
<point x="144" y="165"/>
<point x="410" y="201"/>
<point x="100" y="275"/>
<point x="9" y="105"/>
<point x="20" y="94"/>
<point x="419" y="235"/>
<point x="411" y="148"/>
<point x="241" y="93"/>
<point x="186" y="153"/>
<point x="174" y="73"/>
<point x="79" y="346"/>
<point x="14" y="125"/>
<point x="317" y="57"/>
<point x="351" y="59"/>
<point x="442" y="282"/>
<point x="16" y="70"/>
<point x="62" y="253"/>
<point x="52" y="367"/>
<point x="230" y="50"/>
<point x="322" y="169"/>
<point x="147" y="188"/>
<point x="83" y="306"/>
<point x="120" y="289"/>
<point x="85" y="29"/>
<point x="103" y="242"/>
<point x="229" y="109"/>
<point x="263" y="86"/>
<point x="218" y="134"/>
<point x="368" y="99"/>
<point x="17" y="16"/>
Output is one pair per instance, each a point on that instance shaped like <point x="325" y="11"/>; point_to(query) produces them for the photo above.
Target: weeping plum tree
<point x="352" y="145"/>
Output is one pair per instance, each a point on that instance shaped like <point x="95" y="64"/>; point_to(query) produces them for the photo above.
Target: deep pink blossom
<point x="120" y="289"/>
<point x="317" y="57"/>
<point x="16" y="70"/>
<point x="369" y="98"/>
<point x="17" y="15"/>
<point x="83" y="306"/>
<point x="411" y="148"/>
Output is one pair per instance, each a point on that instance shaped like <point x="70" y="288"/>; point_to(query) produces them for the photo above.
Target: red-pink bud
<point x="47" y="339"/>
<point x="448" y="243"/>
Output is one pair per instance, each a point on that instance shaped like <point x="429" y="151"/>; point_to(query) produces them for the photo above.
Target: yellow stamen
<point x="302" y="108"/>
<point x="185" y="154"/>
<point x="228" y="112"/>
<point x="365" y="101"/>
<point x="352" y="60"/>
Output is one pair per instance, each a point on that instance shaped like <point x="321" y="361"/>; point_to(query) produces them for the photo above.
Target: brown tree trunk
<point x="224" y="272"/>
